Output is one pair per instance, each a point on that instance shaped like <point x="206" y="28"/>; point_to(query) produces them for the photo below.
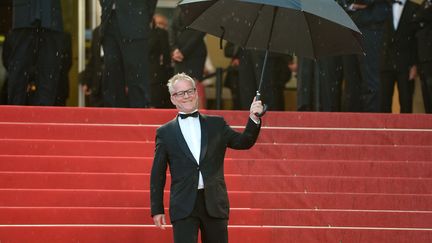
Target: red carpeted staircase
<point x="82" y="175"/>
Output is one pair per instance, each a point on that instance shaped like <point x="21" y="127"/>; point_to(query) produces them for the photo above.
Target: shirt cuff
<point x="252" y="117"/>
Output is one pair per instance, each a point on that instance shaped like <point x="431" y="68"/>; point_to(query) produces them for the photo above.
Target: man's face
<point x="185" y="96"/>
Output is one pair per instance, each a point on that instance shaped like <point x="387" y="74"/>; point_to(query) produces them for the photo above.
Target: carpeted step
<point x="140" y="132"/>
<point x="88" y="115"/>
<point x="272" y="151"/>
<point x="275" y="217"/>
<point x="292" y="167"/>
<point x="250" y="234"/>
<point x="85" y="164"/>
<point x="135" y="181"/>
<point x="160" y="116"/>
<point x="268" y="200"/>
<point x="71" y="131"/>
<point x="335" y="152"/>
<point x="295" y="167"/>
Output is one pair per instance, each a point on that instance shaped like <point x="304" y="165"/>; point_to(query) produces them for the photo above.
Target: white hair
<point x="179" y="77"/>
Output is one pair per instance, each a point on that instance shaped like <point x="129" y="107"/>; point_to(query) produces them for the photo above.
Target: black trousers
<point x="35" y="60"/>
<point x="405" y="88"/>
<point x="213" y="230"/>
<point x="369" y="68"/>
<point x="351" y="98"/>
<point x="329" y="84"/>
<point x="126" y="74"/>
<point x="251" y="64"/>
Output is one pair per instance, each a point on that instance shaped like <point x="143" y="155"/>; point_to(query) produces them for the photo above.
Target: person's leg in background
<point x="305" y="79"/>
<point x="113" y="80"/>
<point x="351" y="98"/>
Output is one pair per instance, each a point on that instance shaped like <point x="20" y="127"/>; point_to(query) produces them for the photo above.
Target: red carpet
<point x="82" y="175"/>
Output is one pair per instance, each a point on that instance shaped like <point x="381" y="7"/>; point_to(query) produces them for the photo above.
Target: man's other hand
<point x="159" y="220"/>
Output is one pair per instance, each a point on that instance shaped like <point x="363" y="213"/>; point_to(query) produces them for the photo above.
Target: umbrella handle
<point x="258" y="97"/>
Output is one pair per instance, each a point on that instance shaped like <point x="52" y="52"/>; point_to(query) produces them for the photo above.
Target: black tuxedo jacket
<point x="373" y="16"/>
<point x="399" y="46"/>
<point x="133" y="16"/>
<point x="172" y="150"/>
<point x="28" y="13"/>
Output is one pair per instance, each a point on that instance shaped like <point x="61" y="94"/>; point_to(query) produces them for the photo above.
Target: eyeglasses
<point x="182" y="94"/>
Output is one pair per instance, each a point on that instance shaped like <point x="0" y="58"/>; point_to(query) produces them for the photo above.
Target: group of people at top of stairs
<point x="397" y="37"/>
<point x="135" y="51"/>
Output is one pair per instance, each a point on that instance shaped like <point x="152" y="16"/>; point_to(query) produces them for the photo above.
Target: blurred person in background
<point x="91" y="77"/>
<point x="423" y="21"/>
<point x="125" y="29"/>
<point x="66" y="64"/>
<point x="33" y="58"/>
<point x="370" y="17"/>
<point x="399" y="57"/>
<point x="160" y="62"/>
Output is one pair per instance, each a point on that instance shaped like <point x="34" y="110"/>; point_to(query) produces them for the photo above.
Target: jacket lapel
<point x="182" y="142"/>
<point x="204" y="136"/>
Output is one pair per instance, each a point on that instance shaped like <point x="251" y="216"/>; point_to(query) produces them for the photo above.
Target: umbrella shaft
<point x="275" y="9"/>
<point x="263" y="70"/>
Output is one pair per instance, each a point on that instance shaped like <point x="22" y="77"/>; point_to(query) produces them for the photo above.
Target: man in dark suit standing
<point x="399" y="58"/>
<point x="369" y="16"/>
<point x="188" y="48"/>
<point x="125" y="28"/>
<point x="194" y="146"/>
<point x="33" y="62"/>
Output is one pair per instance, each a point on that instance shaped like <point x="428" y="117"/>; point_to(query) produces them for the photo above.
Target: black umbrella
<point x="306" y="28"/>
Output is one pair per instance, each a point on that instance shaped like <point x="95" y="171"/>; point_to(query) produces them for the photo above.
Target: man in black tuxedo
<point x="36" y="43"/>
<point x="194" y="146"/>
<point x="399" y="58"/>
<point x="125" y="28"/>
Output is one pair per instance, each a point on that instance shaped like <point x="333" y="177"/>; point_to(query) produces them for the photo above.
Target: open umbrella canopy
<point x="306" y="28"/>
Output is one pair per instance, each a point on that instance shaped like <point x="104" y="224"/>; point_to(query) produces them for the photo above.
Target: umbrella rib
<point x="250" y="29"/>
<point x="275" y="10"/>
<point x="310" y="35"/>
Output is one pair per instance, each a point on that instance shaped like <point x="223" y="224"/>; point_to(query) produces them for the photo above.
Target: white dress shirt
<point x="191" y="130"/>
<point x="397" y="12"/>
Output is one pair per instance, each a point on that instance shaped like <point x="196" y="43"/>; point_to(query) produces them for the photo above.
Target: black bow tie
<point x="193" y="114"/>
<point x="397" y="2"/>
